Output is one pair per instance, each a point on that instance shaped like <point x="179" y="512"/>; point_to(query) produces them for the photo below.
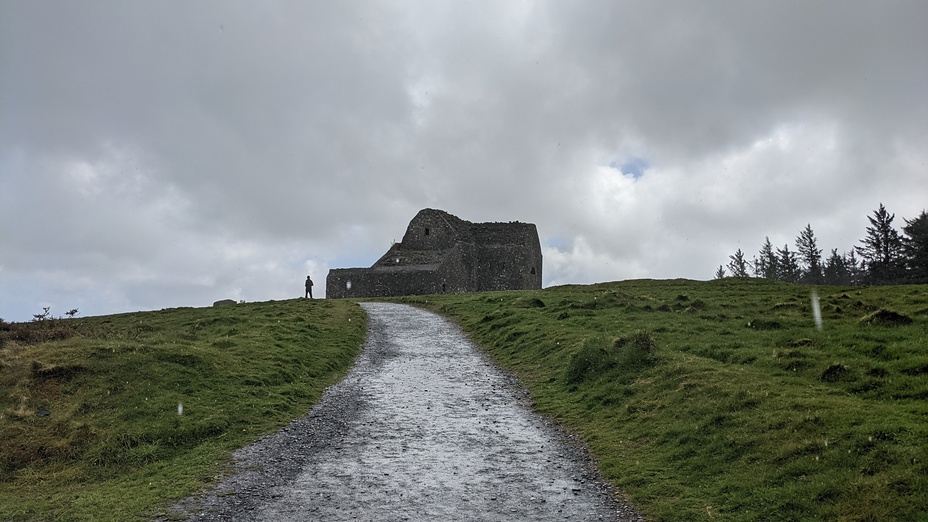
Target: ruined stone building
<point x="443" y="253"/>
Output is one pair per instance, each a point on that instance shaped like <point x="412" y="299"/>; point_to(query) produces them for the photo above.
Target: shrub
<point x="624" y="358"/>
<point x="592" y="360"/>
<point x="38" y="332"/>
<point x="637" y="352"/>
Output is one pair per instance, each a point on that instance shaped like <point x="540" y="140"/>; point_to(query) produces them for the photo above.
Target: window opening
<point x="426" y="231"/>
<point x="533" y="271"/>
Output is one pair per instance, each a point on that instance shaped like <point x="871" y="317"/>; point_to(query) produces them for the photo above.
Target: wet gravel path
<point x="423" y="427"/>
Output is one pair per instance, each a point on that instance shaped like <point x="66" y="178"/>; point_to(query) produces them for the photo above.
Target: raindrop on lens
<point x="816" y="311"/>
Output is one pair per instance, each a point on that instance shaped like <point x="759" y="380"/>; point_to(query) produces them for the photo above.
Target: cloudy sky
<point x="161" y="154"/>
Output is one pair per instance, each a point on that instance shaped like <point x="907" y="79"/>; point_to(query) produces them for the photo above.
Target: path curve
<point x="423" y="427"/>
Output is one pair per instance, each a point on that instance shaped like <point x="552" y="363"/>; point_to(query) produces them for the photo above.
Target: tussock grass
<point x="90" y="409"/>
<point x="720" y="400"/>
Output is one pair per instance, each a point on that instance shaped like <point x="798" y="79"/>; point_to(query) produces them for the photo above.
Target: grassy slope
<point x="746" y="411"/>
<point x="113" y="445"/>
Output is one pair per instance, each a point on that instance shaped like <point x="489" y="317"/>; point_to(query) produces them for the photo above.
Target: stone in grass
<point x="224" y="302"/>
<point x="884" y="317"/>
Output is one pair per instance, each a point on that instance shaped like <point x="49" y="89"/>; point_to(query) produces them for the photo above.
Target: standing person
<point x="309" y="288"/>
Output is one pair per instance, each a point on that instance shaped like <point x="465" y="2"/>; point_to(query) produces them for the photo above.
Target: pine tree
<point x="788" y="265"/>
<point x="738" y="266"/>
<point x="854" y="269"/>
<point x="720" y="273"/>
<point x="810" y="257"/>
<point x="766" y="265"/>
<point x="836" y="271"/>
<point x="882" y="249"/>
<point x="915" y="248"/>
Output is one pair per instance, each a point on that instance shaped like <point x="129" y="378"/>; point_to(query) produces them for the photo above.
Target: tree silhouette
<point x="854" y="269"/>
<point x="882" y="249"/>
<point x="835" y="272"/>
<point x="788" y="265"/>
<point x="915" y="248"/>
<point x="810" y="256"/>
<point x="766" y="265"/>
<point x="738" y="266"/>
<point x="885" y="256"/>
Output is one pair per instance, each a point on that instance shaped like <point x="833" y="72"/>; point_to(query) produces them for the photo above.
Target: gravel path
<point x="423" y="427"/>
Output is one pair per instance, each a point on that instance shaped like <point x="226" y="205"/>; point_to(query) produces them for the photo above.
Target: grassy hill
<point x="104" y="418"/>
<point x="702" y="400"/>
<point x="721" y="400"/>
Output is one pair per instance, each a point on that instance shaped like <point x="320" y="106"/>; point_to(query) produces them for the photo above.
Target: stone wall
<point x="434" y="230"/>
<point x="509" y="256"/>
<point x="443" y="253"/>
<point x="384" y="282"/>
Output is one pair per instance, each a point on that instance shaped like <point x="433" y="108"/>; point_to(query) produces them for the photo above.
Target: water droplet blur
<point x="816" y="311"/>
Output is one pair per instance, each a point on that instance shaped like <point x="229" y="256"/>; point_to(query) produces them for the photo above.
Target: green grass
<point x="113" y="445"/>
<point x="701" y="400"/>
<point x="721" y="400"/>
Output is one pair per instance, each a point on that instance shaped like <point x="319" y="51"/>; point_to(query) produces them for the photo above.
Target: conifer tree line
<point x="883" y="257"/>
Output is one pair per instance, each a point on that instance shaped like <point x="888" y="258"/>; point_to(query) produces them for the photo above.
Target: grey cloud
<point x="236" y="146"/>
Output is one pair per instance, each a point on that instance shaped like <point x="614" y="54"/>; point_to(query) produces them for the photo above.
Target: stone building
<point x="443" y="253"/>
